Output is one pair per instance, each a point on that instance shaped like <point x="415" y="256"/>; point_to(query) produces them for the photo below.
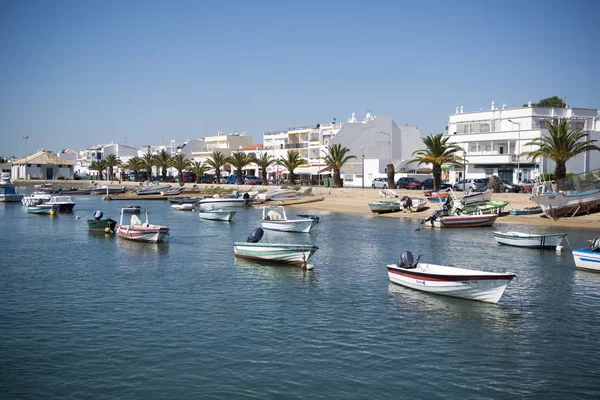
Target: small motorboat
<point x="520" y="239"/>
<point x="108" y="190"/>
<point x="141" y="231"/>
<point x="36" y="198"/>
<point x="99" y="224"/>
<point x="233" y="200"/>
<point x="588" y="259"/>
<point x="154" y="188"/>
<point x="462" y="221"/>
<point x="8" y="194"/>
<point x="59" y="203"/>
<point x="449" y="281"/>
<point x="182" y="200"/>
<point x="184" y="207"/>
<point x="172" y="192"/>
<point x="485" y="207"/>
<point x="525" y="211"/>
<point x="216" y="215"/>
<point x="384" y="206"/>
<point x="476" y="197"/>
<point x="294" y="254"/>
<point x="275" y="218"/>
<point x="41" y="210"/>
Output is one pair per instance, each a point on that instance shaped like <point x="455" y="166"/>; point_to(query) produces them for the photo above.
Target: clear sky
<point x="77" y="73"/>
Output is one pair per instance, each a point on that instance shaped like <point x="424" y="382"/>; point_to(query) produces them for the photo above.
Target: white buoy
<point x="77" y="217"/>
<point x="559" y="249"/>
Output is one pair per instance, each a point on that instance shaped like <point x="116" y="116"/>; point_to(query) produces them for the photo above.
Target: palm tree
<point x="437" y="152"/>
<point x="135" y="164"/>
<point x="163" y="161"/>
<point x="111" y="161"/>
<point x="180" y="163"/>
<point x="391" y="172"/>
<point x="335" y="158"/>
<point x="560" y="146"/>
<point x="199" y="169"/>
<point x="292" y="162"/>
<point x="217" y="160"/>
<point x="149" y="162"/>
<point x="98" y="166"/>
<point x="263" y="163"/>
<point x="238" y="160"/>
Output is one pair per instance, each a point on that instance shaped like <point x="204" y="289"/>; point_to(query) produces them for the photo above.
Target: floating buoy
<point x="107" y="230"/>
<point x="559" y="249"/>
<point x="77" y="217"/>
<point x="51" y="212"/>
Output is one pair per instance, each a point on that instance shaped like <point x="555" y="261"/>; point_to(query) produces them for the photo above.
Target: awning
<point x="276" y="169"/>
<point x="311" y="170"/>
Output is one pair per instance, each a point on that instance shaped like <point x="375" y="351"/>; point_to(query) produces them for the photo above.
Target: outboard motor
<point x="246" y="197"/>
<point x="97" y="215"/>
<point x="595" y="245"/>
<point x="407" y="261"/>
<point x="406" y="202"/>
<point x="256" y="235"/>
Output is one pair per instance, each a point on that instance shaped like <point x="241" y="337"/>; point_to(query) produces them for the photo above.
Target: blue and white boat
<point x="275" y="219"/>
<point x="216" y="215"/>
<point x="537" y="241"/>
<point x="588" y="259"/>
<point x="8" y="193"/>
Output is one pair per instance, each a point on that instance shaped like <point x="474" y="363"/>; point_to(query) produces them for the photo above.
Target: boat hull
<point x="11" y="198"/>
<point x="485" y="207"/>
<point x="455" y="282"/>
<point x="101" y="225"/>
<point x="587" y="260"/>
<point x="463" y="221"/>
<point x="40" y="210"/>
<point x="519" y="239"/>
<point x="152" y="233"/>
<point x="290" y="225"/>
<point x="477" y="197"/>
<point x="294" y="254"/>
<point x="217" y="215"/>
<point x="557" y="205"/>
<point x="208" y="204"/>
<point x="525" y="211"/>
<point x="385" y="206"/>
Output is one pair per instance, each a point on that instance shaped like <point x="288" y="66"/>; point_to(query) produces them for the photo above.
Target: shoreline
<point x="350" y="201"/>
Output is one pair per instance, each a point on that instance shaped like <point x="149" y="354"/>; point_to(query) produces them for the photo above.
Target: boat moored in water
<point x="588" y="259"/>
<point x="520" y="239"/>
<point x="275" y="218"/>
<point x="216" y="215"/>
<point x="140" y="231"/>
<point x="99" y="224"/>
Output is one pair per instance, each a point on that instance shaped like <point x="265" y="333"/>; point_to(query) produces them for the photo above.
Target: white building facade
<point x="494" y="141"/>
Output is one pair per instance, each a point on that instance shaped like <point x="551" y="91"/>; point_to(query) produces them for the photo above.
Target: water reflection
<point x="277" y="271"/>
<point x="141" y="248"/>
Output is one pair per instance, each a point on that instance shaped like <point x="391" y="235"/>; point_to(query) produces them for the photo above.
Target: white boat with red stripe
<point x="449" y="281"/>
<point x="140" y="231"/>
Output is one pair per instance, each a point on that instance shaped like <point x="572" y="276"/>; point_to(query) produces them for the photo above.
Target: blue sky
<point x="77" y="73"/>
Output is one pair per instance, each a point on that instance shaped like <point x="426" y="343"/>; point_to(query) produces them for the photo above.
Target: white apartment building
<point x="99" y="152"/>
<point x="495" y="139"/>
<point x="202" y="149"/>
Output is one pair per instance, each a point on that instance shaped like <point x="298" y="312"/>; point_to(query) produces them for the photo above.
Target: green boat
<point x="99" y="224"/>
<point x="485" y="207"/>
<point x="385" y="206"/>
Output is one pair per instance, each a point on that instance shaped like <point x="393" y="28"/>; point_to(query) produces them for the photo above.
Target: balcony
<point x="492" y="157"/>
<point x="296" y="146"/>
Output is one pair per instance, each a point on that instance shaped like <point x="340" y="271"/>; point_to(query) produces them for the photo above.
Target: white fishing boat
<point x="557" y="203"/>
<point x="476" y="197"/>
<point x="223" y="202"/>
<point x="462" y="221"/>
<point x="449" y="281"/>
<point x="106" y="189"/>
<point x="184" y="207"/>
<point x="588" y="259"/>
<point x="277" y="194"/>
<point x="154" y="188"/>
<point x="294" y="254"/>
<point x="41" y="210"/>
<point x="274" y="218"/>
<point x="140" y="231"/>
<point x="520" y="239"/>
<point x="415" y="204"/>
<point x="216" y="215"/>
<point x="59" y="203"/>
<point x="8" y="194"/>
<point x="36" y="198"/>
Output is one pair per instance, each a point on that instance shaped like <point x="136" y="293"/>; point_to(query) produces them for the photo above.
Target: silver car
<point x="379" y="183"/>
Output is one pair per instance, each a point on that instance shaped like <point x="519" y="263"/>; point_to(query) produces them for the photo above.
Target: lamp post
<point x="25" y="138"/>
<point x="363" y="171"/>
<point x="464" y="171"/>
<point x="389" y="144"/>
<point x="518" y="149"/>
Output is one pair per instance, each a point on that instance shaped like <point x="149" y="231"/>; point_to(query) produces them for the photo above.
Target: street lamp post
<point x="518" y="150"/>
<point x="464" y="171"/>
<point x="25" y="138"/>
<point x="363" y="171"/>
<point x="389" y="144"/>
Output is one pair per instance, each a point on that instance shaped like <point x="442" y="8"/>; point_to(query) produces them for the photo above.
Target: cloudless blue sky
<point x="78" y="73"/>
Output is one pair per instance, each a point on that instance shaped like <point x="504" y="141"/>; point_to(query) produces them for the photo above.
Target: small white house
<point x="42" y="165"/>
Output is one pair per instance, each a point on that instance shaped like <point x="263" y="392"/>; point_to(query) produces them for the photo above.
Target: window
<point x="501" y="149"/>
<point x="578" y="125"/>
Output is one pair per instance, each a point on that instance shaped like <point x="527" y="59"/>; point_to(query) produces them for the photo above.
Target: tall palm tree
<point x="163" y="161"/>
<point x="111" y="161"/>
<point x="180" y="163"/>
<point x="135" y="164"/>
<point x="291" y="162"/>
<point x="560" y="146"/>
<point x="238" y="160"/>
<point x="199" y="169"/>
<point x="217" y="160"/>
<point x="98" y="166"/>
<point x="149" y="162"/>
<point x="437" y="152"/>
<point x="263" y="163"/>
<point x="391" y="173"/>
<point x="335" y="158"/>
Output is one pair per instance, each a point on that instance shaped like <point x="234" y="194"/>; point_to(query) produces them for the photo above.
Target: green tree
<point x="110" y="162"/>
<point x="2" y="160"/>
<point x="135" y="164"/>
<point x="98" y="166"/>
<point x="238" y="160"/>
<point x="149" y="162"/>
<point x="553" y="101"/>
<point x="291" y="162"/>
<point x="216" y="161"/>
<point x="199" y="169"/>
<point x="263" y="163"/>
<point x="560" y="146"/>
<point x="437" y="152"/>
<point x="180" y="163"/>
<point x="335" y="158"/>
<point x="163" y="162"/>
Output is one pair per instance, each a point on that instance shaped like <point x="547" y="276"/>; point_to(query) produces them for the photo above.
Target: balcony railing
<point x="296" y="146"/>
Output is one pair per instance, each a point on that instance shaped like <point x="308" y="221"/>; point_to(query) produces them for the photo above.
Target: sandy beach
<point x="355" y="201"/>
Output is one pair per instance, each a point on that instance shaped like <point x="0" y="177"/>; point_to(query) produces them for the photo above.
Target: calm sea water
<point x="92" y="316"/>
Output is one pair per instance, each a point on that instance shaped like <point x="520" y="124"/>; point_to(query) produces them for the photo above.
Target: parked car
<point x="507" y="186"/>
<point x="252" y="180"/>
<point x="427" y="184"/>
<point x="527" y="186"/>
<point x="403" y="183"/>
<point x="477" y="184"/>
<point x="413" y="185"/>
<point x="379" y="183"/>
